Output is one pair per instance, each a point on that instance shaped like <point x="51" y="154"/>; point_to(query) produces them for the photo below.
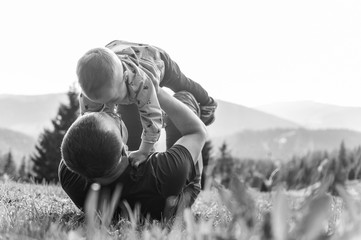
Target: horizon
<point x="248" y="53"/>
<point x="256" y="106"/>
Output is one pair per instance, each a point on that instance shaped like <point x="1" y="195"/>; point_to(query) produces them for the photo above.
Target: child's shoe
<point x="207" y="111"/>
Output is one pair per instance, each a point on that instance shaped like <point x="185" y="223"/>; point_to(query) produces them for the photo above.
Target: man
<point x="94" y="150"/>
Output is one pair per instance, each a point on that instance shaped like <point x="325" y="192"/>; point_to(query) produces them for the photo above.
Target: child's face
<point x="115" y="92"/>
<point x="105" y="95"/>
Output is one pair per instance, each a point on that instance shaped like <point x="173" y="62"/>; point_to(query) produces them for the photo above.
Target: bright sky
<point x="247" y="52"/>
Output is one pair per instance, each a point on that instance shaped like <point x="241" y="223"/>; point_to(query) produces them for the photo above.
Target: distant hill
<point x="284" y="143"/>
<point x="20" y="144"/>
<point x="29" y="114"/>
<point x="316" y="115"/>
<point x="232" y="118"/>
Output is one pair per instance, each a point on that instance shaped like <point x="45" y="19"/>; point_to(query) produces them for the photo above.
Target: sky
<point x="247" y="52"/>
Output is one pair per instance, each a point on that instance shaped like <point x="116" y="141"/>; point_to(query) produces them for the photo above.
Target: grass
<point x="30" y="211"/>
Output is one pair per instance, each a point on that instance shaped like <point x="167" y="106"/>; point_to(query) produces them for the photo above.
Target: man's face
<point x="112" y="122"/>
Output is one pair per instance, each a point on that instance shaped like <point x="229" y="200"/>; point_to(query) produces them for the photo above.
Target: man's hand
<point x="137" y="157"/>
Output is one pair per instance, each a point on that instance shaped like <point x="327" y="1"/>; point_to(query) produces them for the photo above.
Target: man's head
<point x="93" y="147"/>
<point x="100" y="75"/>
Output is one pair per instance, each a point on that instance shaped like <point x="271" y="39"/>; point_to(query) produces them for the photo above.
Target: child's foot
<point x="207" y="112"/>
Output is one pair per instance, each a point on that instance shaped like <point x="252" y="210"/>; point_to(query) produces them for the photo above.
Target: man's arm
<point x="193" y="130"/>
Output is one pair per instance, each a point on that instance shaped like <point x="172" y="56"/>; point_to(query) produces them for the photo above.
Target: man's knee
<point x="189" y="100"/>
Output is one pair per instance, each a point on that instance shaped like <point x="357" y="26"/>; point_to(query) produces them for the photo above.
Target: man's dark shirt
<point x="163" y="175"/>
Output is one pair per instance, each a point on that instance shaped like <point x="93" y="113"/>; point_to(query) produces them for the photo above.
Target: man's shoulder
<point x="171" y="169"/>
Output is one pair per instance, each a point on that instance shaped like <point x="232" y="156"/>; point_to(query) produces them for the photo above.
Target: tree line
<point x="322" y="167"/>
<point x="8" y="168"/>
<point x="43" y="164"/>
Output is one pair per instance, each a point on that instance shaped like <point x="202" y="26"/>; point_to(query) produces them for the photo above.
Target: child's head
<point x="100" y="75"/>
<point x="93" y="147"/>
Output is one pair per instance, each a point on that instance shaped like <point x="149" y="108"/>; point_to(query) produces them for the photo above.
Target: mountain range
<point x="316" y="115"/>
<point x="273" y="130"/>
<point x="232" y="118"/>
<point x="29" y="114"/>
<point x="282" y="144"/>
<point x="20" y="144"/>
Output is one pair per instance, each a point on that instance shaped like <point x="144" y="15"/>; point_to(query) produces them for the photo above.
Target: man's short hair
<point x="90" y="149"/>
<point x="95" y="69"/>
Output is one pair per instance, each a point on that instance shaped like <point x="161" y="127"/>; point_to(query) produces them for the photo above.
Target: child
<point x="126" y="73"/>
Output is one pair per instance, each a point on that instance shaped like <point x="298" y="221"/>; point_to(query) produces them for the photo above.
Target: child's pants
<point x="177" y="81"/>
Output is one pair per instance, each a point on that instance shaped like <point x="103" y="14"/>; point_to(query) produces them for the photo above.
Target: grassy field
<point x="30" y="211"/>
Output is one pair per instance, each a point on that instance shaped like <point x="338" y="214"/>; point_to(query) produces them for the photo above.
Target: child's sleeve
<point x="150" y="111"/>
<point x="87" y="105"/>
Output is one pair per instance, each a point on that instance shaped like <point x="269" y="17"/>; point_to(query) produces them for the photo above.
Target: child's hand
<point x="137" y="157"/>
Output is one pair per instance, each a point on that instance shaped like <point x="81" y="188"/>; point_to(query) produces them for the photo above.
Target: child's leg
<point x="177" y="81"/>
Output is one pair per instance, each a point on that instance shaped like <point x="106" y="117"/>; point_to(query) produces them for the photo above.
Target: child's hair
<point x="95" y="69"/>
<point x="89" y="149"/>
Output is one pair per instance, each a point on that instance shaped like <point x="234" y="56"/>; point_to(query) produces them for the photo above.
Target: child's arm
<point x="151" y="119"/>
<point x="139" y="156"/>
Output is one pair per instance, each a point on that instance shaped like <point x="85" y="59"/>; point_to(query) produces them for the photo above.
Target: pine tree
<point x="342" y="157"/>
<point x="358" y="163"/>
<point x="224" y="150"/>
<point x="225" y="165"/>
<point x="10" y="167"/>
<point x="47" y="158"/>
<point x="332" y="173"/>
<point x="22" y="173"/>
<point x="342" y="171"/>
<point x="206" y="155"/>
<point x="338" y="169"/>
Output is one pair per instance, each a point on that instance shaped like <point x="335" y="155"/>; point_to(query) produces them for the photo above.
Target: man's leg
<point x="190" y="192"/>
<point x="172" y="133"/>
